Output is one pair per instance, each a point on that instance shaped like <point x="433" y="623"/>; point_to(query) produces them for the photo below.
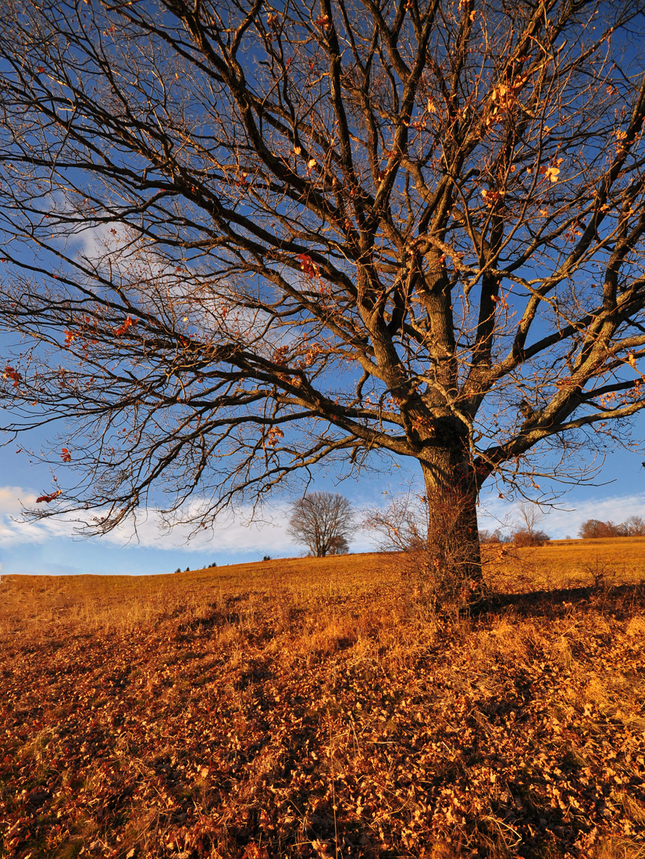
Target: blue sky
<point x="50" y="548"/>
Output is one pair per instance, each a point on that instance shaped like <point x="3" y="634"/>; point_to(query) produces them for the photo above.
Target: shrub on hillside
<point x="445" y="572"/>
<point x="491" y="536"/>
<point x="524" y="537"/>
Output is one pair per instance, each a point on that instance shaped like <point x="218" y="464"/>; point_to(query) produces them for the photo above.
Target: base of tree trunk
<point x="450" y="559"/>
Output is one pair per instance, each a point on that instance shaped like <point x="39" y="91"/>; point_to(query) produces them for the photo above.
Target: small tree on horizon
<point x="592" y="529"/>
<point x="323" y="522"/>
<point x="634" y="526"/>
<point x="527" y="532"/>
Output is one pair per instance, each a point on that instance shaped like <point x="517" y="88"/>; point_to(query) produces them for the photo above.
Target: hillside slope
<point x="317" y="708"/>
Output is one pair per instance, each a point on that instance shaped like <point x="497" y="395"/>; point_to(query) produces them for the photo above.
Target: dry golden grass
<point x="567" y="563"/>
<point x="122" y="603"/>
<point x="320" y="708"/>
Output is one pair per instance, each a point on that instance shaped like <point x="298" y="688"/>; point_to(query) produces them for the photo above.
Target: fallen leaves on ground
<point x="278" y="722"/>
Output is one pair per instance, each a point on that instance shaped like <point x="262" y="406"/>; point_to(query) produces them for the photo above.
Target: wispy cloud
<point x="567" y="519"/>
<point x="14" y="532"/>
<point x="231" y="534"/>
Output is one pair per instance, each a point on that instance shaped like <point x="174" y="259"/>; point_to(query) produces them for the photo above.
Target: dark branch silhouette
<point x="241" y="240"/>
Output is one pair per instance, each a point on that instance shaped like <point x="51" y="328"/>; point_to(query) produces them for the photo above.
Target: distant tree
<point x="323" y="522"/>
<point x="593" y="529"/>
<point x="527" y="532"/>
<point x="635" y="526"/>
<point x="590" y="529"/>
<point x="402" y="526"/>
<point x="530" y="516"/>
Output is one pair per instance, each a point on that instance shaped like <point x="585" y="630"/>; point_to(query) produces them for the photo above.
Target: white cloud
<point x="231" y="534"/>
<point x="13" y="532"/>
<point x="567" y="520"/>
<point x="234" y="534"/>
<point x="119" y="252"/>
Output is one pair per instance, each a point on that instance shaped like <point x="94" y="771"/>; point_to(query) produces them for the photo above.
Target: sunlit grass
<point x="566" y="563"/>
<point x="322" y="708"/>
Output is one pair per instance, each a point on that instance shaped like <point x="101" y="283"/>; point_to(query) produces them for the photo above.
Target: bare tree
<point x="526" y="533"/>
<point x="634" y="526"/>
<point x="402" y="526"/>
<point x="530" y="517"/>
<point x="323" y="522"/>
<point x="242" y="239"/>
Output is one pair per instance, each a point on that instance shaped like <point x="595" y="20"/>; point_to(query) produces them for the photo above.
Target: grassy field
<point x="321" y="708"/>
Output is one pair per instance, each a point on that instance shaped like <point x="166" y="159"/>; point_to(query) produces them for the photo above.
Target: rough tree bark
<point x="451" y="497"/>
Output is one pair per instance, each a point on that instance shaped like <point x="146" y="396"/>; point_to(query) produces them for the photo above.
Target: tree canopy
<point x="244" y="238"/>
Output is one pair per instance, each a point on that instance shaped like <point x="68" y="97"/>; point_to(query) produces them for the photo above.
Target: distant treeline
<point x="634" y="526"/>
<point x="593" y="528"/>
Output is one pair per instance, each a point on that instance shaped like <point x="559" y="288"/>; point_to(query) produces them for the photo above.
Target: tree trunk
<point x="452" y="552"/>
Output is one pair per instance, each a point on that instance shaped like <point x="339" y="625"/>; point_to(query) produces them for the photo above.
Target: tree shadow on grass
<point x="621" y="601"/>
